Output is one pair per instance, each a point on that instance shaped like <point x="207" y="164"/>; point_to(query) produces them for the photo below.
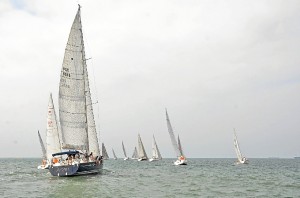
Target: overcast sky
<point x="215" y="65"/>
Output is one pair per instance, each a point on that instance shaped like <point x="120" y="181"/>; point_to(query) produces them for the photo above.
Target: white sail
<point x="172" y="136"/>
<point x="124" y="150"/>
<point x="115" y="157"/>
<point x="237" y="148"/>
<point x="141" y="150"/>
<point x="155" y="151"/>
<point x="134" y="155"/>
<point x="72" y="88"/>
<point x="44" y="153"/>
<point x="92" y="132"/>
<point x="104" y="152"/>
<point x="180" y="147"/>
<point x="53" y="144"/>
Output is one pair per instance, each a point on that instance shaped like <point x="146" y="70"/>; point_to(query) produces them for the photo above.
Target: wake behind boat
<point x="181" y="160"/>
<point x="81" y="154"/>
<point x="240" y="158"/>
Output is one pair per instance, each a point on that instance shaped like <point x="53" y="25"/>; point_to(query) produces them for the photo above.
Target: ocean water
<point x="200" y="178"/>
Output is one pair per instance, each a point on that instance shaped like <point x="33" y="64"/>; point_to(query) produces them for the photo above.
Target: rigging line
<point x="95" y="88"/>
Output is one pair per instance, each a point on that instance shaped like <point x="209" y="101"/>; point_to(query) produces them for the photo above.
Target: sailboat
<point x="115" y="157"/>
<point x="155" y="152"/>
<point x="240" y="158"/>
<point x="79" y="136"/>
<point x="104" y="152"/>
<point x="44" y="164"/>
<point x="135" y="154"/>
<point x="123" y="147"/>
<point x="141" y="150"/>
<point x="181" y="160"/>
<point x="53" y="144"/>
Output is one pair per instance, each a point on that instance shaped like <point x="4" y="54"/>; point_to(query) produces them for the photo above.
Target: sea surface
<point x="200" y="178"/>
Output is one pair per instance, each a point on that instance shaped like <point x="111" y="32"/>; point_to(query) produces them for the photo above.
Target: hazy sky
<point x="214" y="64"/>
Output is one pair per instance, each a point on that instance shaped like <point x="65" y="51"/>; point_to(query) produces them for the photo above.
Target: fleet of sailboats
<point x="240" y="158"/>
<point x="74" y="134"/>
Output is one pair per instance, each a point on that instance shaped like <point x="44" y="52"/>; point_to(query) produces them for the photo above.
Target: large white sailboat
<point x="240" y="158"/>
<point x="104" y="152"/>
<point x="155" y="152"/>
<point x="79" y="136"/>
<point x="124" y="151"/>
<point x="141" y="150"/>
<point x="181" y="159"/>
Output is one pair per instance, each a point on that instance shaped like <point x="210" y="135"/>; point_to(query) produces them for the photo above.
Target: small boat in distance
<point x="240" y="158"/>
<point x="181" y="160"/>
<point x="141" y="150"/>
<point x="115" y="157"/>
<point x="123" y="147"/>
<point x="104" y="153"/>
<point x="44" y="164"/>
<point x="155" y="152"/>
<point x="135" y="154"/>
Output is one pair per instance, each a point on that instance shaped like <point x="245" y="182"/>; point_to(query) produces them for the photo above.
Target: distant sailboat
<point x="240" y="158"/>
<point x="123" y="147"/>
<point x="104" y="152"/>
<point x="155" y="152"/>
<point x="44" y="154"/>
<point x="53" y="144"/>
<point x="115" y="157"/>
<point x="76" y="111"/>
<point x="135" y="154"/>
<point x="141" y="150"/>
<point x="177" y="146"/>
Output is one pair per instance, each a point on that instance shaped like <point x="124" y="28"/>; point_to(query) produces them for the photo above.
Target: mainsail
<point x="155" y="152"/>
<point x="53" y="140"/>
<point x="75" y="104"/>
<point x="172" y="136"/>
<point x="44" y="153"/>
<point x="104" y="152"/>
<point x="237" y="148"/>
<point x="141" y="150"/>
<point x="124" y="150"/>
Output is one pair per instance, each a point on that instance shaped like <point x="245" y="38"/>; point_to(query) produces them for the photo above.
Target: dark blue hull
<point x="76" y="169"/>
